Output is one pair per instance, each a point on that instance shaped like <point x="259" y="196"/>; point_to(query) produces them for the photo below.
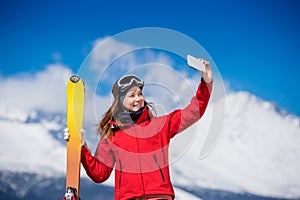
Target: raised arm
<point x="181" y="119"/>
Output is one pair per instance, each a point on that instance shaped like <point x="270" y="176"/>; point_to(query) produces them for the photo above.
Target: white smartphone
<point x="195" y="63"/>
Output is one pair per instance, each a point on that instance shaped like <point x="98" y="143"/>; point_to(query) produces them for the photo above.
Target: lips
<point x="138" y="105"/>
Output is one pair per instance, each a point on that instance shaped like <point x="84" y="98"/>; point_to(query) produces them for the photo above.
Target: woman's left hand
<point x="207" y="76"/>
<point x="67" y="135"/>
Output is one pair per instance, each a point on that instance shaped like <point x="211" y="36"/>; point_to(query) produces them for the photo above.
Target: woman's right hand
<point x="207" y="76"/>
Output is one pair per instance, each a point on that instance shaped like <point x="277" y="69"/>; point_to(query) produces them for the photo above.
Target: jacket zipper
<point x="160" y="170"/>
<point x="141" y="174"/>
<point x="121" y="170"/>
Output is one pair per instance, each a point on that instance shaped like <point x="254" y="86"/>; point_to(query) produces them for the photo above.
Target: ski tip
<point x="74" y="78"/>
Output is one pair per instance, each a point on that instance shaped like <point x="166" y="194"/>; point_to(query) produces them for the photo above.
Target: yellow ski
<point x="75" y="115"/>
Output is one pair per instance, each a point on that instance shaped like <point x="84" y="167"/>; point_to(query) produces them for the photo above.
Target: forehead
<point x="134" y="89"/>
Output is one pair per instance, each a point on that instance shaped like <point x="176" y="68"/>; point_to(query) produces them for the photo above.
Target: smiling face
<point x="134" y="99"/>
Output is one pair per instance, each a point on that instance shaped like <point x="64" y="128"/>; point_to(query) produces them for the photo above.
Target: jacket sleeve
<point x="100" y="166"/>
<point x="181" y="119"/>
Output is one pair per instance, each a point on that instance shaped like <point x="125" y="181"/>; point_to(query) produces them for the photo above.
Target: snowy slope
<point x="258" y="152"/>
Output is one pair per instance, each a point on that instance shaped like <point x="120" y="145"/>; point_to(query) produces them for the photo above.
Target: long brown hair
<point x="105" y="129"/>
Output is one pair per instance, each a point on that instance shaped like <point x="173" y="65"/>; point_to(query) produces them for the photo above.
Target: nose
<point x="138" y="98"/>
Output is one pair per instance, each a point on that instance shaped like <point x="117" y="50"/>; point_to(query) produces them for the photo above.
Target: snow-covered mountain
<point x="257" y="154"/>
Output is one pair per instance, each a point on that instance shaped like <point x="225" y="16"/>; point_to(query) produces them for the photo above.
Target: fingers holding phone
<point x="202" y="66"/>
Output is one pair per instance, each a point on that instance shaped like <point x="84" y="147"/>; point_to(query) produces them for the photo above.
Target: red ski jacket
<point x="139" y="152"/>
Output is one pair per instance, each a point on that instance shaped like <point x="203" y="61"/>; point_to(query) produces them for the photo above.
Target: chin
<point x="135" y="109"/>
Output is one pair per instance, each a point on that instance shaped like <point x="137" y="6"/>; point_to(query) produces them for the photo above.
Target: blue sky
<point x="255" y="44"/>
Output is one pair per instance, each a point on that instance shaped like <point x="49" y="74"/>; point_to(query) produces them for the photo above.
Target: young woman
<point x="135" y="142"/>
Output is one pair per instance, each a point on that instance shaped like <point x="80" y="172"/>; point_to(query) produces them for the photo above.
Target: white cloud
<point x="30" y="148"/>
<point x="44" y="90"/>
<point x="105" y="50"/>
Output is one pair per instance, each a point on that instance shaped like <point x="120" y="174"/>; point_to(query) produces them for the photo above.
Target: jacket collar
<point x="145" y="115"/>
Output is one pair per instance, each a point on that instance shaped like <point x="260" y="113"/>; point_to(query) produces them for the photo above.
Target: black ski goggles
<point x="128" y="81"/>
